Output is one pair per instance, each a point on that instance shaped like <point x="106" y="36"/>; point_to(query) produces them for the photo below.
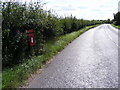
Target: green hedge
<point x="17" y="18"/>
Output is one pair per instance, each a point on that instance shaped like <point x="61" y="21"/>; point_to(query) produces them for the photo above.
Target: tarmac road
<point x="90" y="61"/>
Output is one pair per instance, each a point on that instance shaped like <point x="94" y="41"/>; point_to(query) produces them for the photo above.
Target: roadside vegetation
<point x="16" y="76"/>
<point x="116" y="26"/>
<point x="116" y="20"/>
<point x="52" y="34"/>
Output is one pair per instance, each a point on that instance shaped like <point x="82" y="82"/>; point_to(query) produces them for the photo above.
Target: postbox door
<point x="30" y="34"/>
<point x="32" y="43"/>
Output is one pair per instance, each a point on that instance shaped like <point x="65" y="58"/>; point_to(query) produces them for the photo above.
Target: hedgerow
<point x="17" y="18"/>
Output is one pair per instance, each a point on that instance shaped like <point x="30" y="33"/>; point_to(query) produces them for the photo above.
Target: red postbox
<point x="30" y="34"/>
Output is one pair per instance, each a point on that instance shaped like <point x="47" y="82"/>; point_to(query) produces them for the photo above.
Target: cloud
<point x="87" y="9"/>
<point x="68" y="8"/>
<point x="119" y="6"/>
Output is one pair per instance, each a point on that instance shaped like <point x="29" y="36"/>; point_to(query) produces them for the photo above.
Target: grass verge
<point x="116" y="26"/>
<point x="14" y="77"/>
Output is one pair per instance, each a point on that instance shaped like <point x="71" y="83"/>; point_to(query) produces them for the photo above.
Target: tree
<point x="117" y="18"/>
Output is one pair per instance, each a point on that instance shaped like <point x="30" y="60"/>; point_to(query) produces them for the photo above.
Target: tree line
<point x="17" y="18"/>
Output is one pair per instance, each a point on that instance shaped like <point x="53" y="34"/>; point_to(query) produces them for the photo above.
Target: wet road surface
<point x="90" y="61"/>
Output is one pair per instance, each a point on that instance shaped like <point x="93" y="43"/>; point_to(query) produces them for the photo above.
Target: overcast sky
<point x="86" y="9"/>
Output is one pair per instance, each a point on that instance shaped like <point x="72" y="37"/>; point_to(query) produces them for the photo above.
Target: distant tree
<point x="108" y="21"/>
<point x="117" y="18"/>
